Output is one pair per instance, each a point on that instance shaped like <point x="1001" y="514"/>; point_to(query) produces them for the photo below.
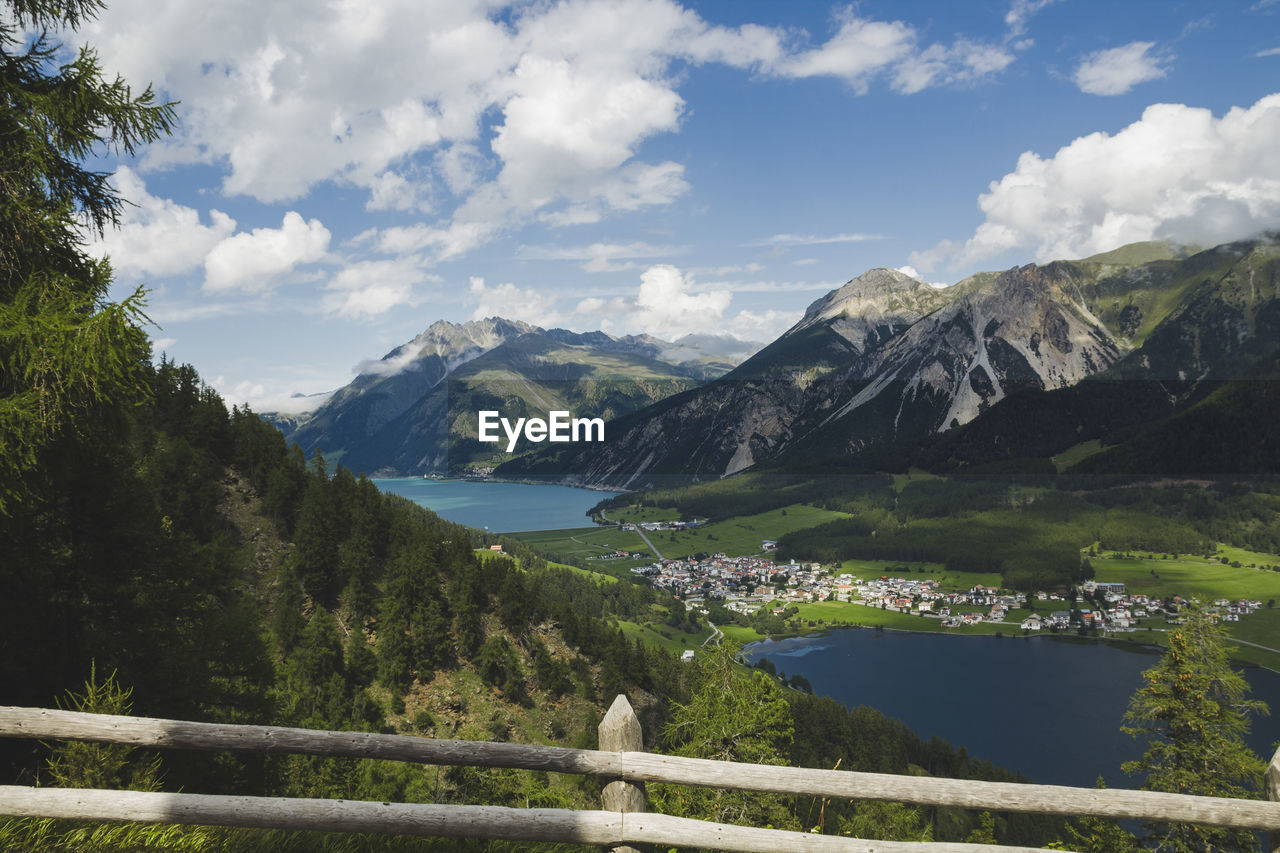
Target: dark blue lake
<point x="1050" y="709"/>
<point x="500" y="507"/>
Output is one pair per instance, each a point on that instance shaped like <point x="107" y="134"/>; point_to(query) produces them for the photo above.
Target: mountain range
<point x="1001" y="371"/>
<point x="414" y="411"/>
<point x="887" y="372"/>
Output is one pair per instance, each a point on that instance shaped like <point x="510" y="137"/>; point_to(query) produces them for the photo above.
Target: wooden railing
<point x="620" y="759"/>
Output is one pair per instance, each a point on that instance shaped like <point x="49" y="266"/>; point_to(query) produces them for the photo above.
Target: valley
<point x="722" y="571"/>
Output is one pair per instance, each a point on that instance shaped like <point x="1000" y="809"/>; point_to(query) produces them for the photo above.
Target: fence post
<point x="620" y="732"/>
<point x="1273" y="794"/>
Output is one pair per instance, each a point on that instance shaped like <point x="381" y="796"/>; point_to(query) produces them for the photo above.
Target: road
<point x="716" y="634"/>
<point x="655" y="551"/>
<point x="650" y="544"/>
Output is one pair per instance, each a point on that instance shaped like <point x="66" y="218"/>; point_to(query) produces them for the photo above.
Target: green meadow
<point x="740" y="536"/>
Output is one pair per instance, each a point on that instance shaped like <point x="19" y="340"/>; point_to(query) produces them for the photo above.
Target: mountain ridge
<point x="859" y="372"/>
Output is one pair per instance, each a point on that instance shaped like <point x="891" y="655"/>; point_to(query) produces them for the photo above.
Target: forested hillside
<point x="183" y="551"/>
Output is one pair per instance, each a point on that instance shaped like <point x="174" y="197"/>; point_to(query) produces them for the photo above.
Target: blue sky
<point x="345" y="174"/>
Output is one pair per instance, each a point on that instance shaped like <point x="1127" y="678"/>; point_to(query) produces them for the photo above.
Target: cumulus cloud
<point x="864" y="49"/>
<point x="163" y="344"/>
<point x="1119" y="69"/>
<point x="491" y="116"/>
<point x="669" y="305"/>
<point x="158" y="236"/>
<point x="258" y="260"/>
<point x="366" y="289"/>
<point x="512" y="303"/>
<point x="1178" y="173"/>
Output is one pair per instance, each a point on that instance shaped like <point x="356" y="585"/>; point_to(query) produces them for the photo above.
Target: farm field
<point x="586" y="543"/>
<point x="1189" y="576"/>
<point x="740" y="536"/>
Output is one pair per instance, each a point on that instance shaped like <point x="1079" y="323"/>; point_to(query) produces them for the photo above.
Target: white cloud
<point x="1020" y="13"/>
<point x="1178" y="173"/>
<point x="728" y="269"/>
<point x="257" y="260"/>
<point x="860" y="49"/>
<point x="157" y="236"/>
<point x="599" y="257"/>
<point x="863" y="49"/>
<point x="669" y="304"/>
<point x="907" y="269"/>
<point x="963" y="62"/>
<point x="488" y="114"/>
<point x="512" y="303"/>
<point x="371" y="288"/>
<point x="1119" y="69"/>
<point x="1275" y="51"/>
<point x="163" y="344"/>
<point x="804" y="262"/>
<point x="392" y="191"/>
<point x="812" y="239"/>
<point x="261" y="398"/>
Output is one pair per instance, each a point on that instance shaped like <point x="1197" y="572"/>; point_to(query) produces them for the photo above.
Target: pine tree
<point x="731" y="716"/>
<point x="64" y="348"/>
<point x="1194" y="710"/>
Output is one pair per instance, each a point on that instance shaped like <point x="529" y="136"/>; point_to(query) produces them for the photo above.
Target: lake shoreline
<point x="1125" y="643"/>
<point x="993" y="697"/>
<point x="497" y="506"/>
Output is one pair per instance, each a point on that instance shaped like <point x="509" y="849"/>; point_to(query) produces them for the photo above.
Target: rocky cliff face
<point x="882" y="358"/>
<point x="1029" y="329"/>
<point x="750" y="413"/>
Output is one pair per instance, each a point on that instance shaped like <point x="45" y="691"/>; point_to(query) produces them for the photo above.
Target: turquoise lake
<point x="499" y="507"/>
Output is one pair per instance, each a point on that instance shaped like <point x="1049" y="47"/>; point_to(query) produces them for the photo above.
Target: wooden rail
<point x="489" y="822"/>
<point x="620" y="759"/>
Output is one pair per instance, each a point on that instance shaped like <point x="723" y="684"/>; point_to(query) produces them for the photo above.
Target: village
<point x="748" y="585"/>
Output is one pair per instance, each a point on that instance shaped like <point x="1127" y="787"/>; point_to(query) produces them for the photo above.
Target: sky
<point x="345" y="173"/>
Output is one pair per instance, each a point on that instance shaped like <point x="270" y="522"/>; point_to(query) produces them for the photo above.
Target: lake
<point x="500" y="507"/>
<point x="1048" y="708"/>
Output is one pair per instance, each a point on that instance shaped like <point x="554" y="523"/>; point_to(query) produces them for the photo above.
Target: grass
<point x="900" y="480"/>
<point x="1247" y="558"/>
<point x="740" y="633"/>
<point x="1189" y="576"/>
<point x="948" y="581"/>
<point x="1072" y="455"/>
<point x="663" y="636"/>
<point x="585" y="542"/>
<point x="741" y="536"/>
<point x="636" y="514"/>
<point x="601" y="577"/>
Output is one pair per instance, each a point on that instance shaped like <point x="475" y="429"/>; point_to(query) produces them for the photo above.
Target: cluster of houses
<point x="747" y="584"/>
<point x="743" y="583"/>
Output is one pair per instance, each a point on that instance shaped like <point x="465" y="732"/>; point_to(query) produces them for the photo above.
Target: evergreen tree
<point x="732" y="716"/>
<point x="1194" y="710"/>
<point x="65" y="350"/>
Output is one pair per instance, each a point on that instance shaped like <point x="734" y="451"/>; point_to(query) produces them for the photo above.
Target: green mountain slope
<point x="1223" y="326"/>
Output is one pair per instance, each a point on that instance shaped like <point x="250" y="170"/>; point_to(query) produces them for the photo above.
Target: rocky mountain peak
<point x="878" y="303"/>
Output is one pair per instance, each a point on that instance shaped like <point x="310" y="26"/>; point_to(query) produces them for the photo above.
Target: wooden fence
<point x="620" y="759"/>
